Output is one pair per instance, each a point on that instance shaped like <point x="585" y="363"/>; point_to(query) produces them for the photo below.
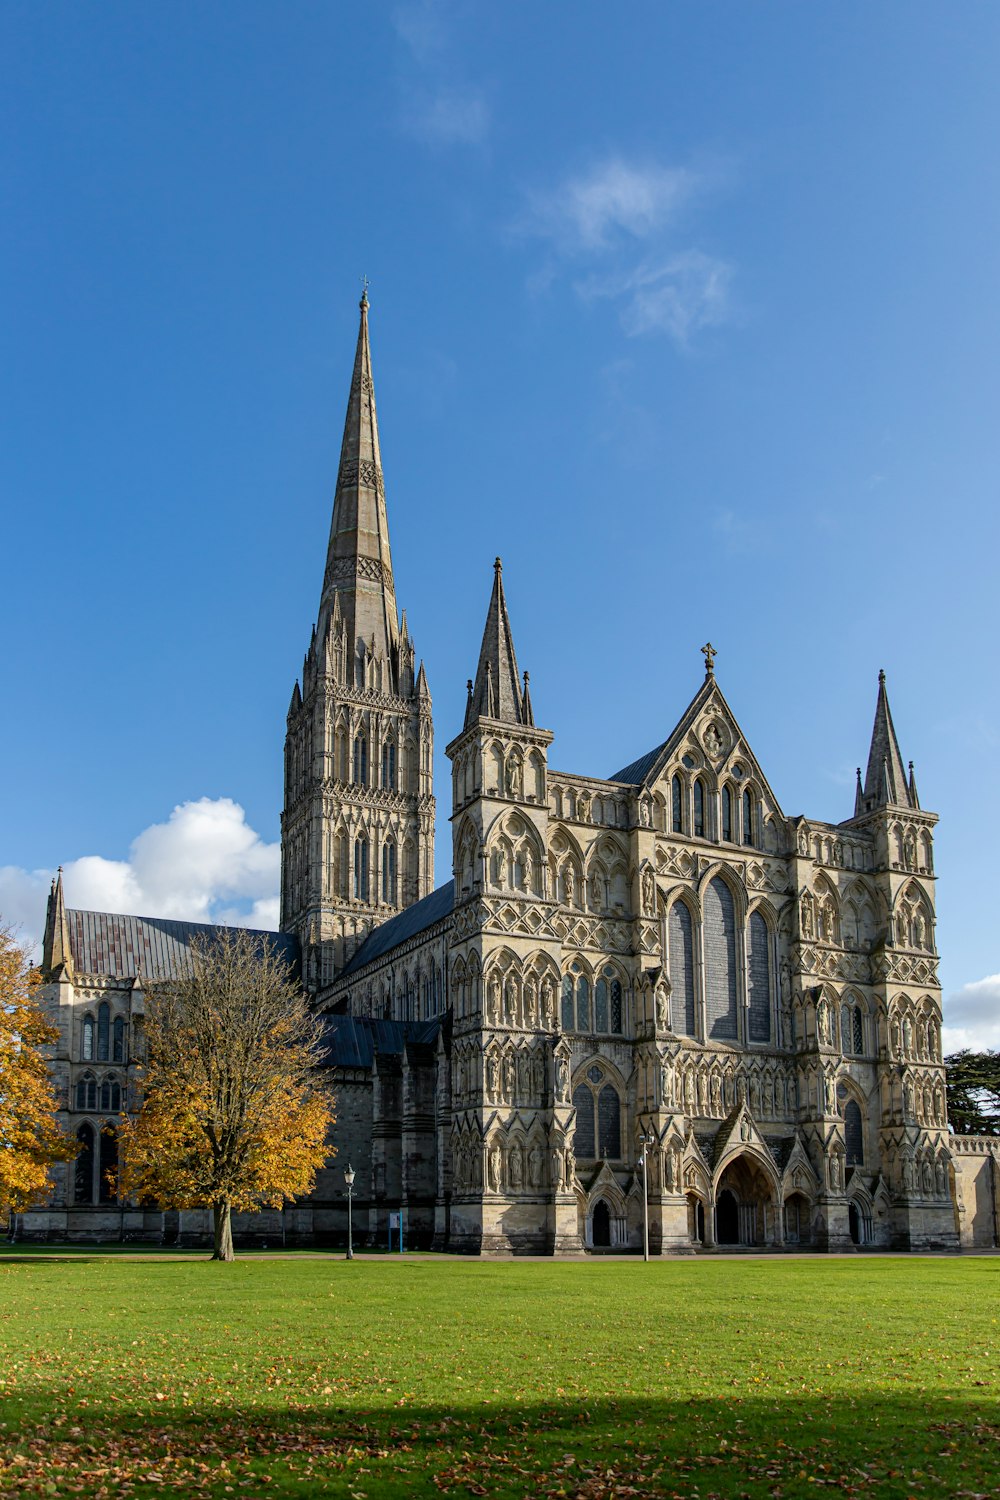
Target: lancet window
<point x="681" y="943"/>
<point x="103" y="1032"/>
<point x="720" y="961"/>
<point x="759" y="975"/>
<point x="361" y="869"/>
<point x="677" y="805"/>
<point x="598" y="1117"/>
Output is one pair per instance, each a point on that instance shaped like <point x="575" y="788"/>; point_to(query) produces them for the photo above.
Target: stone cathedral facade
<point x="660" y="964"/>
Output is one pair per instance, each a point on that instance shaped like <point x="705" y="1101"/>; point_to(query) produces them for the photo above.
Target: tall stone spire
<point x="885" y="779"/>
<point x="496" y="692"/>
<point x="358" y="560"/>
<point x="56" y="951"/>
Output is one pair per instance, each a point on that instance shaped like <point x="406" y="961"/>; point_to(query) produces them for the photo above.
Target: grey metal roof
<point x="352" y="1041"/>
<point x="123" y="947"/>
<point x="422" y="914"/>
<point x="636" y="773"/>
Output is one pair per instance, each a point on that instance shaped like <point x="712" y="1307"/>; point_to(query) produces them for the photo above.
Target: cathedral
<point x="650" y="998"/>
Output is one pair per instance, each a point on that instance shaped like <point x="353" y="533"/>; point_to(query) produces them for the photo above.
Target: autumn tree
<point x="235" y="1111"/>
<point x="30" y="1139"/>
<point x="973" y="1085"/>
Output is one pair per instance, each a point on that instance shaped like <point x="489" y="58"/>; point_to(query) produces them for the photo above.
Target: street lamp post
<point x="349" y="1179"/>
<point x="645" y="1140"/>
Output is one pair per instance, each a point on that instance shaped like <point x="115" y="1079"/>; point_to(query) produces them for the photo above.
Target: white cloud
<point x="972" y="1016"/>
<point x="449" y="117"/>
<point x="438" y="106"/>
<point x="613" y="199"/>
<point x="677" y="296"/>
<point x="204" y="864"/>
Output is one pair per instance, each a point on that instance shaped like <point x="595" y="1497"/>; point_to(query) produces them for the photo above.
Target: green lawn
<point x="382" y="1378"/>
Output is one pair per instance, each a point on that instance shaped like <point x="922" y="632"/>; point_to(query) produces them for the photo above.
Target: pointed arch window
<point x="585" y="1138"/>
<point x="88" y="1039"/>
<point x="107" y="1186"/>
<point x="104" y="1032"/>
<point x="727" y="815"/>
<point x="389" y="766"/>
<point x="748" y="819"/>
<point x="389" y="874"/>
<point x="361" y="869"/>
<point x="681" y="946"/>
<point x="582" y="1003"/>
<point x="699" y="809"/>
<point x="601" y="1004"/>
<point x="360" y="760"/>
<point x="854" y="1135"/>
<point x="86" y="1092"/>
<point x="677" y="805"/>
<point x="83" y="1188"/>
<point x="118" y="1040"/>
<point x="759" y="975"/>
<point x="609" y="1123"/>
<point x="567" y="1003"/>
<point x="617" y="1011"/>
<point x="720" y="961"/>
<point x="111" y="1095"/>
<point x="852" y="1029"/>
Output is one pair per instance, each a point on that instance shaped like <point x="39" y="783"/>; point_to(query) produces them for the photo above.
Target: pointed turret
<point x="914" y="799"/>
<point x="859" y="797"/>
<point x="885" y="779"/>
<point x="56" y="952"/>
<point x="496" y="693"/>
<point x="359" y="563"/>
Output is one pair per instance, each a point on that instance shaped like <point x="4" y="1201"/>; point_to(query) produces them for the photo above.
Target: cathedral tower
<point x="357" y="830"/>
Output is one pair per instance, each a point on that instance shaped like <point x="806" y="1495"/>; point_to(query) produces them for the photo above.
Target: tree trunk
<point x="223" y="1231"/>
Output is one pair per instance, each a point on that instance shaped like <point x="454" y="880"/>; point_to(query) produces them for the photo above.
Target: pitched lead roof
<point x="126" y="947"/>
<point x="414" y="920"/>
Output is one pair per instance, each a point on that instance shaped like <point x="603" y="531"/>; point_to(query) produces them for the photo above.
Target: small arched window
<point x="104" y="1032"/>
<point x="727" y="815"/>
<point x="389" y="874"/>
<point x="748" y="819"/>
<point x="84" y="1178"/>
<point x="601" y="1005"/>
<point x="677" y="805"/>
<point x="111" y="1095"/>
<point x="567" y="1003"/>
<point x="88" y="1039"/>
<point x="118" y="1040"/>
<point x="699" y="809"/>
<point x="852" y="1028"/>
<point x="583" y="1003"/>
<point x="86" y="1092"/>
<point x="617" y="1020"/>
<point x="854" y="1139"/>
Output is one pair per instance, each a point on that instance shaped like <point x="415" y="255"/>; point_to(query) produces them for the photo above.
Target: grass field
<point x="304" y="1376"/>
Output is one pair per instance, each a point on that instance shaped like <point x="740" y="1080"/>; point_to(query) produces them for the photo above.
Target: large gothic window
<point x="681" y="941"/>
<point x="598" y="1117"/>
<point x="677" y="805"/>
<point x="854" y="1138"/>
<point x="84" y="1184"/>
<point x="759" y="972"/>
<point x="720" y="961"/>
<point x="361" y="869"/>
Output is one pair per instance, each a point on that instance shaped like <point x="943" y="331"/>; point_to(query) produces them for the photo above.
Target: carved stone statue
<point x="513" y="777"/>
<point x="557" y="1170"/>
<point x="515" y="1169"/>
<point x="648" y="891"/>
<point x="561" y="1078"/>
<point x="494" y="999"/>
<point x="662" y="1008"/>
<point x="806" y="917"/>
<point x="495" y="1167"/>
<point x="836" y="1173"/>
<point x="535" y="1166"/>
<point x="548" y="1000"/>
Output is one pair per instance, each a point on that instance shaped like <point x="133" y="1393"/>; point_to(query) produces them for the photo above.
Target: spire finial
<point x="709" y="652"/>
<point x="365" y="284"/>
<point x="497" y="566"/>
<point x="881" y="677"/>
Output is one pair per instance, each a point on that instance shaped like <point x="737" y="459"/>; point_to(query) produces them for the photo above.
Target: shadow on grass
<point x="749" y="1445"/>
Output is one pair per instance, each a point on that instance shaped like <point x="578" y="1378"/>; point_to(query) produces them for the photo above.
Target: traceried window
<point x="608" y="1003"/>
<point x="609" y="1123"/>
<point x="748" y="819"/>
<point x="86" y="1092"/>
<point x="582" y="1003"/>
<point x="88" y="1039"/>
<point x="727" y="815"/>
<point x="389" y="873"/>
<point x="854" y="1137"/>
<point x="567" y="1003"/>
<point x="852" y="1029"/>
<point x="118" y="1040"/>
<point x="681" y="943"/>
<point x="361" y="869"/>
<point x="111" y="1095"/>
<point x="720" y="961"/>
<point x="677" y="805"/>
<point x="585" y="1139"/>
<point x="598" y="1117"/>
<point x="699" y="809"/>
<point x="759" y="975"/>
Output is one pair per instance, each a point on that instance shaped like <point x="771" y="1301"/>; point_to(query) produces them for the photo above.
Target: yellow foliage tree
<point x="30" y="1139"/>
<point x="235" y="1110"/>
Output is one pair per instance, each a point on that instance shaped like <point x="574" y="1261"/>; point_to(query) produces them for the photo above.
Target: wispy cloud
<point x="602" y="217"/>
<point x="437" y="105"/>
<point x="204" y="864"/>
<point x="972" y="1016"/>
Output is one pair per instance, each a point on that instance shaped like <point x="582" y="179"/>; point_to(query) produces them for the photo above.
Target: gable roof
<point x="352" y="1041"/>
<point x="125" y="947"/>
<point x="408" y="924"/>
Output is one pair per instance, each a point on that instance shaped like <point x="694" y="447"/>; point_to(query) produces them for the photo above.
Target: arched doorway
<point x="854" y="1222"/>
<point x="601" y="1225"/>
<point x="727" y="1218"/>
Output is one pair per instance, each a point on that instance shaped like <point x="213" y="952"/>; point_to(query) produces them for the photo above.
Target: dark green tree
<point x="973" y="1082"/>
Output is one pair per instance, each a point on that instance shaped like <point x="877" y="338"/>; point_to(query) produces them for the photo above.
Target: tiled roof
<point x="422" y="914"/>
<point x="636" y="773"/>
<point x="123" y="946"/>
<point x="352" y="1041"/>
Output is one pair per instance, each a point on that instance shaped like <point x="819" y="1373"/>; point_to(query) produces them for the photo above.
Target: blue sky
<point x="690" y="312"/>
